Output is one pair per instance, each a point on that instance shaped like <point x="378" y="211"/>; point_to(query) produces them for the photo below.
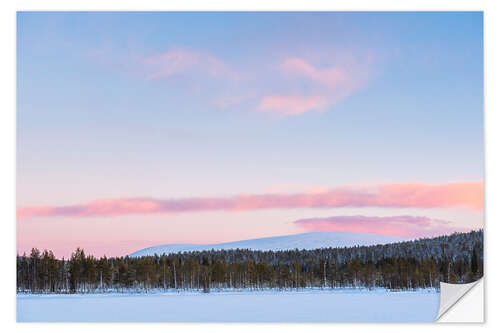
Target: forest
<point x="410" y="265"/>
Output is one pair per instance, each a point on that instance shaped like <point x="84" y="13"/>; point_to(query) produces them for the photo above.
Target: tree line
<point x="423" y="263"/>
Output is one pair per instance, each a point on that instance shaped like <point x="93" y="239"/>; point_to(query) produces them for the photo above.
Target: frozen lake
<point x="233" y="306"/>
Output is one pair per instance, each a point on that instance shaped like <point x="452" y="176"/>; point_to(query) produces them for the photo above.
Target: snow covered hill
<point x="307" y="241"/>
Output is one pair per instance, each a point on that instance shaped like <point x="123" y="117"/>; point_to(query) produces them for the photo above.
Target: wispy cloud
<point x="181" y="61"/>
<point x="329" y="76"/>
<point x="402" y="226"/>
<point x="289" y="86"/>
<point x="320" y="87"/>
<point x="409" y="195"/>
<point x="291" y="105"/>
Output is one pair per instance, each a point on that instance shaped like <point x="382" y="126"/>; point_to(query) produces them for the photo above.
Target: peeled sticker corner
<point x="451" y="294"/>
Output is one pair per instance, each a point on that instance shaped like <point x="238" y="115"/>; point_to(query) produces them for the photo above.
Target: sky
<point x="140" y="129"/>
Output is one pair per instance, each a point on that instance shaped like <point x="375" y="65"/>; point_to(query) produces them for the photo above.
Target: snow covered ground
<point x="233" y="306"/>
<point x="306" y="241"/>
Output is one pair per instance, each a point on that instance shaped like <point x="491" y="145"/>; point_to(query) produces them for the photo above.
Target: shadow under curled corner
<point x="451" y="294"/>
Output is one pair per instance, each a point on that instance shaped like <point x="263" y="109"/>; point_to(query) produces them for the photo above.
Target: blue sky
<point x="177" y="105"/>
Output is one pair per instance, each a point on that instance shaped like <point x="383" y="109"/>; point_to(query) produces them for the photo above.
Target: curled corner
<point x="451" y="294"/>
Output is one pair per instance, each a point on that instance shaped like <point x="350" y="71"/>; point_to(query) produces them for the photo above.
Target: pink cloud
<point x="320" y="87"/>
<point x="467" y="195"/>
<point x="409" y="195"/>
<point x="325" y="86"/>
<point x="291" y="105"/>
<point x="402" y="226"/>
<point x="329" y="76"/>
<point x="180" y="61"/>
<point x="292" y="87"/>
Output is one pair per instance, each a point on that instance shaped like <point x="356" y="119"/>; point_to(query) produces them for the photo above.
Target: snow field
<point x="230" y="306"/>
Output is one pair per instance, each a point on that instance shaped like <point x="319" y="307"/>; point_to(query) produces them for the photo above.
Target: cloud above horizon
<point x="288" y="87"/>
<point x="325" y="86"/>
<point x="181" y="61"/>
<point x="465" y="195"/>
<point x="405" y="226"/>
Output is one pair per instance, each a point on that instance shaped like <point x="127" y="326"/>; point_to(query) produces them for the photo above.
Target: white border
<point x="7" y="142"/>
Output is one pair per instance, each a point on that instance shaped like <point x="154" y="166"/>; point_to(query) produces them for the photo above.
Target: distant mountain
<point x="306" y="241"/>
